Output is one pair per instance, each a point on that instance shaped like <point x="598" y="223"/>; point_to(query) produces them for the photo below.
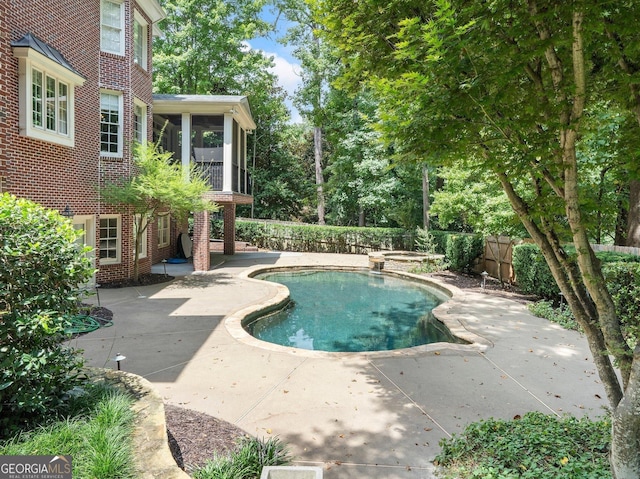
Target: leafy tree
<point x="361" y="183"/>
<point x="202" y="50"/>
<point x="41" y="271"/>
<point x="157" y="186"/>
<point x="508" y="84"/>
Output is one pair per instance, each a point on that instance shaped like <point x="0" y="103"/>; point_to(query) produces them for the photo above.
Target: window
<point x="111" y="124"/>
<point x="110" y="243"/>
<point x="46" y="88"/>
<point x="140" y="29"/>
<point x="49" y="104"/>
<point x="112" y="26"/>
<point x="163" y="231"/>
<point x="143" y="240"/>
<point x="139" y="122"/>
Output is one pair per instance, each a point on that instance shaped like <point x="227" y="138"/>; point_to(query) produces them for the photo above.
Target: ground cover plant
<point x="247" y="461"/>
<point x="535" y="446"/>
<point x="97" y="434"/>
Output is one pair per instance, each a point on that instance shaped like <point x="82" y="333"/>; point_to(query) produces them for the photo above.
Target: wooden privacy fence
<point x="497" y="257"/>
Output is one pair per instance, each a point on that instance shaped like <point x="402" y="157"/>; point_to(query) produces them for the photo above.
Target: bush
<point x="623" y="282"/>
<point x="536" y="446"/>
<point x="462" y="251"/>
<point x="533" y="276"/>
<point x="320" y="239"/>
<point x="41" y="268"/>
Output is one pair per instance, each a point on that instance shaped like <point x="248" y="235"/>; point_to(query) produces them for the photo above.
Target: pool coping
<point x="446" y="312"/>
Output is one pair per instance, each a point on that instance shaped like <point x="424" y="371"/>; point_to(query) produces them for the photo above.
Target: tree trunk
<point x="625" y="431"/>
<point x="361" y="218"/>
<point x="622" y="218"/>
<point x="426" y="205"/>
<point x="317" y="154"/>
<point x="633" y="230"/>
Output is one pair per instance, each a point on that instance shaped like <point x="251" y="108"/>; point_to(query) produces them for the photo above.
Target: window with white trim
<point x="139" y="121"/>
<point x="163" y="230"/>
<point x="140" y="35"/>
<point x="110" y="239"/>
<point x="111" y="124"/>
<point x="143" y="239"/>
<point x="46" y="92"/>
<point x="112" y="26"/>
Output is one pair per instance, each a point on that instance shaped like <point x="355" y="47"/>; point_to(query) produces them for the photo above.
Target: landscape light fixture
<point x="119" y="357"/>
<point x="164" y="263"/>
<point x="484" y="279"/>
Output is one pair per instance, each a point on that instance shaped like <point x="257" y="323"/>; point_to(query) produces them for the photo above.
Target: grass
<point x="247" y="461"/>
<point x="536" y="446"/>
<point x="97" y="435"/>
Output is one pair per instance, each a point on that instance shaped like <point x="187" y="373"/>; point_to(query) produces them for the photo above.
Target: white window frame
<point x="140" y="121"/>
<point x="115" y="28"/>
<point x="140" y="40"/>
<point x="145" y="238"/>
<point x="164" y="230"/>
<point x="118" y="239"/>
<point x="31" y="63"/>
<point x="110" y="124"/>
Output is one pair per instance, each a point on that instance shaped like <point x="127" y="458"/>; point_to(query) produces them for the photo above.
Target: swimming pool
<point x="345" y="311"/>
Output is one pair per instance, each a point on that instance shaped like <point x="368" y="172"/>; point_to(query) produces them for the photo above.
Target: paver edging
<point x="150" y="442"/>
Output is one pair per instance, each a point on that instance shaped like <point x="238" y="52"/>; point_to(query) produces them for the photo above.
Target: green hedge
<point x="313" y="238"/>
<point x="623" y="282"/>
<point x="461" y="251"/>
<point x="533" y="276"/>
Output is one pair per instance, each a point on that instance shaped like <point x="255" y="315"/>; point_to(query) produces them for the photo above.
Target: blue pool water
<point x="351" y="311"/>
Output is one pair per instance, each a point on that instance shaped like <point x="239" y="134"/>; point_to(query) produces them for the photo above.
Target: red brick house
<point x="75" y="94"/>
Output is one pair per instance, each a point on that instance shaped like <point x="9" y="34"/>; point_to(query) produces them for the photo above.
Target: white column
<point x="186" y="144"/>
<point x="227" y="154"/>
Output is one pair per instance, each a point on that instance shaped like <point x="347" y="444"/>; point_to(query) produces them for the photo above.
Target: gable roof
<point x="34" y="43"/>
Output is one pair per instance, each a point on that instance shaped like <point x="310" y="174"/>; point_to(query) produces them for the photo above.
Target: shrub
<point x="623" y="282"/>
<point x="536" y="446"/>
<point x="41" y="268"/>
<point x="533" y="276"/>
<point x="462" y="250"/>
<point x="315" y="238"/>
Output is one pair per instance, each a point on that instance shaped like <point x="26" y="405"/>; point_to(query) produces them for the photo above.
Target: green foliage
<point x="472" y="200"/>
<point x="425" y="241"/>
<point x="536" y="446"/>
<point x="462" y="250"/>
<point x="97" y="435"/>
<point x="328" y="239"/>
<point x="158" y="186"/>
<point x="623" y="282"/>
<point x="533" y="276"/>
<point x="561" y="315"/>
<point x="202" y="48"/>
<point x="247" y="461"/>
<point x="41" y="270"/>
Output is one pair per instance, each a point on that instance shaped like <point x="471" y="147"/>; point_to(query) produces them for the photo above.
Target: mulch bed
<point x="194" y="437"/>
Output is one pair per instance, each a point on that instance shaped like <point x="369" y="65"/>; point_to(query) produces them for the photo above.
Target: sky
<point x="286" y="66"/>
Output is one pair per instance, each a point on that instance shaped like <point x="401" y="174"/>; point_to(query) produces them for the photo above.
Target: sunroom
<point x="217" y="126"/>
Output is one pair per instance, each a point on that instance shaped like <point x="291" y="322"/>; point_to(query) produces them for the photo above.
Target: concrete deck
<point x="356" y="415"/>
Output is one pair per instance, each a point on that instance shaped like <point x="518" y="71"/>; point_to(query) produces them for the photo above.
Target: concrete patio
<point x="356" y="415"/>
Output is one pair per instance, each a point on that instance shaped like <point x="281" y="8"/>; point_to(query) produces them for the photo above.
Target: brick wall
<point x="55" y="175"/>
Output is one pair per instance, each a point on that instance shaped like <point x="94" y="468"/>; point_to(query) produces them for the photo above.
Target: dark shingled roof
<point x="31" y="41"/>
